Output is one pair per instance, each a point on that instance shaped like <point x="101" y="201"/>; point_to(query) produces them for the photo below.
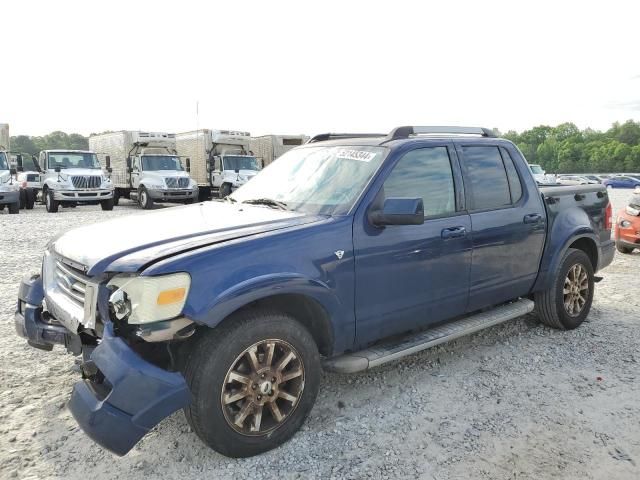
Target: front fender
<point x="269" y="285"/>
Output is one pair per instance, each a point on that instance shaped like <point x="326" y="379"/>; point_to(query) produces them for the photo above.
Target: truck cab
<point x="73" y="177"/>
<point x="231" y="163"/>
<point x="9" y="185"/>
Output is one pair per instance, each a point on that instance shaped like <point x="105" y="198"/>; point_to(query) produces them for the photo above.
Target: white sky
<point x="310" y="67"/>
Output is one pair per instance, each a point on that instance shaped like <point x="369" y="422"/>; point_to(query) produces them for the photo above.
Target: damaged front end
<point x="130" y="379"/>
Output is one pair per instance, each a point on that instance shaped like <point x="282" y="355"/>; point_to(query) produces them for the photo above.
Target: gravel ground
<point x="516" y="401"/>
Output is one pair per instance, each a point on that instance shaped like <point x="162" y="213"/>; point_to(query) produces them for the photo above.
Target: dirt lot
<point x="517" y="401"/>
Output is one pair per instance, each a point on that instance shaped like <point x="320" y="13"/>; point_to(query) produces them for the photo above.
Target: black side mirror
<point x="237" y="170"/>
<point x="19" y="163"/>
<point x="57" y="169"/>
<point x="35" y="163"/>
<point x="209" y="164"/>
<point x="398" y="211"/>
<point x="13" y="171"/>
<point x="107" y="161"/>
<point x="129" y="170"/>
<point x="188" y="162"/>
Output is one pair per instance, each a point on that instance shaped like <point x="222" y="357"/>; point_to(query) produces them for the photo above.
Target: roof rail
<point x="321" y="137"/>
<point x="407" y="131"/>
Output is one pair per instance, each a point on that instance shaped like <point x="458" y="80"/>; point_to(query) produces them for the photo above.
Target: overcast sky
<point x="315" y="66"/>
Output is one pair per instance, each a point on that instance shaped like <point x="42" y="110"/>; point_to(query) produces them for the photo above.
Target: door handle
<point x="532" y="218"/>
<point x="453" y="232"/>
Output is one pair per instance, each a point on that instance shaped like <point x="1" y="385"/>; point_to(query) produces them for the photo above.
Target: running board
<point x="401" y="347"/>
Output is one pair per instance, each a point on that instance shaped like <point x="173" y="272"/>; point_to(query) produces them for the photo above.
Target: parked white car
<point x="572" y="180"/>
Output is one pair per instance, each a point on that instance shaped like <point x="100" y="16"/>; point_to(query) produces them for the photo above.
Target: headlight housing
<point x="141" y="299"/>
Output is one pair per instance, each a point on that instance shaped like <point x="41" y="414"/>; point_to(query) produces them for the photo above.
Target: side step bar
<point x="401" y="347"/>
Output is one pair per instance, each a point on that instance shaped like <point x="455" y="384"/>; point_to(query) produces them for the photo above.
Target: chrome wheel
<point x="143" y="198"/>
<point x="263" y="387"/>
<point x="576" y="290"/>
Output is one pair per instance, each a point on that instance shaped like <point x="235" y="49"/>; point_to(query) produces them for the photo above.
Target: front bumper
<point x="10" y="197"/>
<point x="82" y="195"/>
<point x="126" y="398"/>
<point x="173" y="194"/>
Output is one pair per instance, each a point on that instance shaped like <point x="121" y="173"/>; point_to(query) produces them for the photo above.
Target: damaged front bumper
<point x="125" y="398"/>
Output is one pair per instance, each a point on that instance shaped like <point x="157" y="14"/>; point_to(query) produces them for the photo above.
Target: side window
<point x="487" y="176"/>
<point x="515" y="186"/>
<point x="424" y="173"/>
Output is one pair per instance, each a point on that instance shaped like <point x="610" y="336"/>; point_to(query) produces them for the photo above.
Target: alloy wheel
<point x="576" y="290"/>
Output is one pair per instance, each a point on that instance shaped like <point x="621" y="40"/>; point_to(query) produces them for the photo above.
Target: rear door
<point x="408" y="276"/>
<point x="508" y="223"/>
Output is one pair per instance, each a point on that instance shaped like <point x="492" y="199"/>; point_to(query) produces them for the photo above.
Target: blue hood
<point x="129" y="243"/>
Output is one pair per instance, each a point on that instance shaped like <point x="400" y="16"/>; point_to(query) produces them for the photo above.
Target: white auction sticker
<point x="360" y="155"/>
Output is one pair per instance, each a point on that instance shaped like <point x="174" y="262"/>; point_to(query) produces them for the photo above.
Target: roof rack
<point x="336" y="136"/>
<point x="407" y="131"/>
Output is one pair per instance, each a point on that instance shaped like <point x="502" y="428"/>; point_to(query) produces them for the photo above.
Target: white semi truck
<point x="146" y="167"/>
<point x="73" y="177"/>
<point x="9" y="186"/>
<point x="269" y="147"/>
<point x="221" y="159"/>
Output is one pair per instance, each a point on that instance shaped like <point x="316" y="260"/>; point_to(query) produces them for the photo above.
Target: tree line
<point x="561" y="149"/>
<point x="567" y="149"/>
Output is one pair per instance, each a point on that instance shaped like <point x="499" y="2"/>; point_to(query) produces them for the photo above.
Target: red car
<point x="627" y="227"/>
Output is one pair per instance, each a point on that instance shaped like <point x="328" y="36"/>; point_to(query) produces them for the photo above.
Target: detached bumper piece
<point x="133" y="397"/>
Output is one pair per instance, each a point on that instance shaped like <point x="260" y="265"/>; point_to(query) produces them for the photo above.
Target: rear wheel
<point x="623" y="249"/>
<point x="50" y="203"/>
<point x="145" y="200"/>
<point x="31" y="198"/>
<point x="14" y="208"/>
<point x="116" y="197"/>
<point x="567" y="303"/>
<point x="253" y="381"/>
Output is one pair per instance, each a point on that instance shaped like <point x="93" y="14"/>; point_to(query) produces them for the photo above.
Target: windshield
<point x="315" y="180"/>
<point x="161" y="162"/>
<point x="73" y="160"/>
<point x="536" y="169"/>
<point x="3" y="161"/>
<point x="233" y="162"/>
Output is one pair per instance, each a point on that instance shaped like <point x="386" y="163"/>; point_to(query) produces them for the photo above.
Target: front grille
<point x="173" y="182"/>
<point x="32" y="177"/>
<point x="71" y="282"/>
<point x="86" y="181"/>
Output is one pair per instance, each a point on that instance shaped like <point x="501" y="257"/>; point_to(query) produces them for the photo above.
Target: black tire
<point x="225" y="190"/>
<point x="116" y="198"/>
<point x="550" y="304"/>
<point x="189" y="201"/>
<point x="144" y="199"/>
<point x="623" y="249"/>
<point x="107" y="205"/>
<point x="2" y="206"/>
<point x="31" y="198"/>
<point x="213" y="356"/>
<point x="14" y="208"/>
<point x="23" y="198"/>
<point x="51" y="204"/>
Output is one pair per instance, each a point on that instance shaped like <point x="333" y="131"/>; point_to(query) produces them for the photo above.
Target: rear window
<point x="487" y="177"/>
<point x="515" y="186"/>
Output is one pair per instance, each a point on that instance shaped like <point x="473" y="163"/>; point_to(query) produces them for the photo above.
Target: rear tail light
<point x="608" y="217"/>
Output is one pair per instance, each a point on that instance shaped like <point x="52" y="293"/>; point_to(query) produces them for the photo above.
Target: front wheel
<point x="253" y="380"/>
<point x="23" y="198"/>
<point x="225" y="190"/>
<point x="107" y="205"/>
<point x="623" y="249"/>
<point x="51" y="203"/>
<point x="14" y="208"/>
<point x="145" y="199"/>
<point x="31" y="198"/>
<point x="567" y="302"/>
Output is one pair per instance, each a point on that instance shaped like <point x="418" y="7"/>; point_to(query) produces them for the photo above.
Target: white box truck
<point x="220" y="159"/>
<point x="145" y="167"/>
<point x="269" y="147"/>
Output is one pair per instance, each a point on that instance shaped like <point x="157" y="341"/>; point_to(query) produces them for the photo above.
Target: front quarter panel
<point x="301" y="260"/>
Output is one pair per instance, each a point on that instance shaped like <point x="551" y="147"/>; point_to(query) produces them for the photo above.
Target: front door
<point x="408" y="276"/>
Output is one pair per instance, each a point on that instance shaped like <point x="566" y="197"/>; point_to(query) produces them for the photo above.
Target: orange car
<point x="627" y="229"/>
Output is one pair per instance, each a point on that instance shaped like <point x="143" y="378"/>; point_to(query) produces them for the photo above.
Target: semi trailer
<point x="269" y="147"/>
<point x="221" y="159"/>
<point x="145" y="167"/>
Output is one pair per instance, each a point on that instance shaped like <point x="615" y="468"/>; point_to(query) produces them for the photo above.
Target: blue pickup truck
<point x="346" y="253"/>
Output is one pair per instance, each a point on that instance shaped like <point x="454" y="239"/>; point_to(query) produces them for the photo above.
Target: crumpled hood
<point x="134" y="241"/>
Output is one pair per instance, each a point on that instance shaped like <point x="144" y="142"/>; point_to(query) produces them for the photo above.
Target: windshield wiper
<point x="268" y="202"/>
